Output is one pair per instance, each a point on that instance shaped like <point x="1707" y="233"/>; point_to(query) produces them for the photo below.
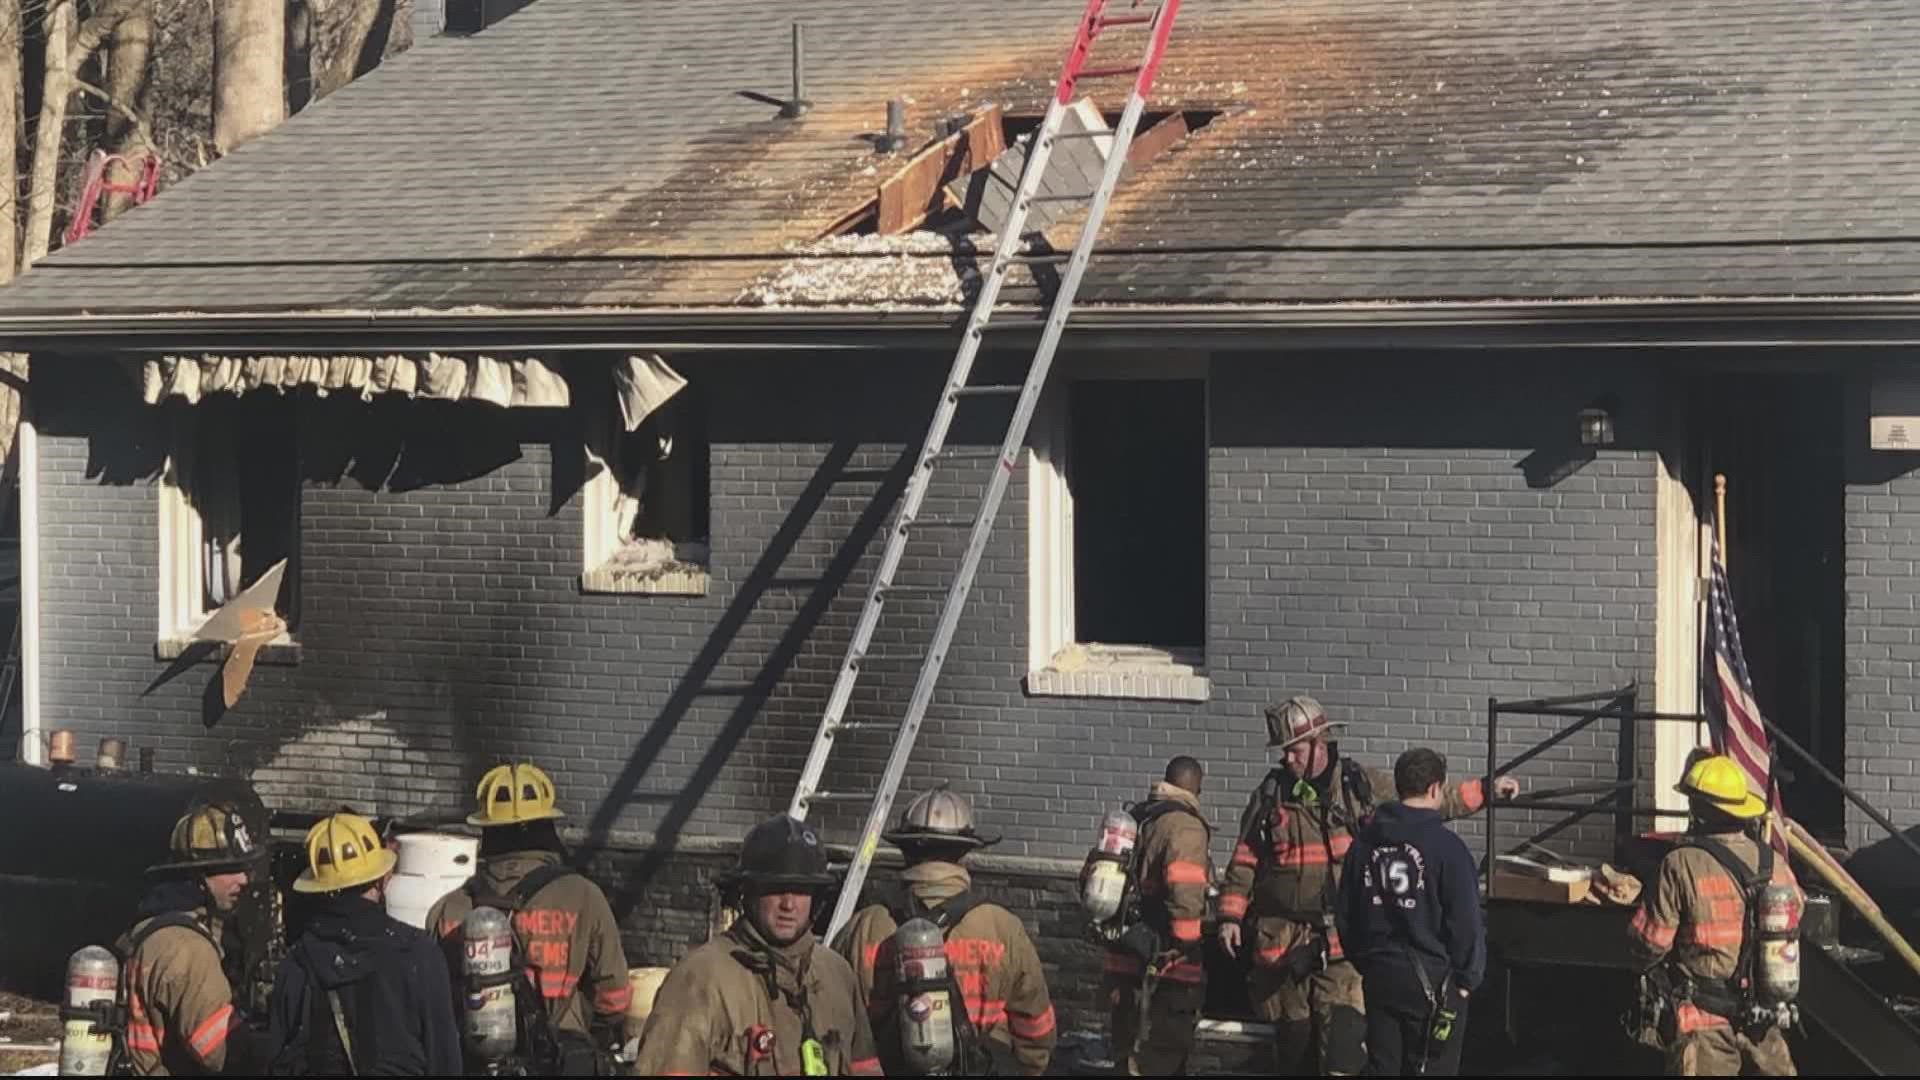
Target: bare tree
<point x="68" y="47"/>
<point x="348" y="39"/>
<point x="249" y="71"/>
<point x="126" y="82"/>
<point x="12" y="56"/>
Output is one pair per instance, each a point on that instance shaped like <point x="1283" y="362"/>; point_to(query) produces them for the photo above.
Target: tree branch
<point x="139" y="125"/>
<point x="96" y="29"/>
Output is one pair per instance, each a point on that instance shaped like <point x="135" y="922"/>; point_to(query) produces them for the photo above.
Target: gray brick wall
<point x="1387" y="533"/>
<point x="1883" y="637"/>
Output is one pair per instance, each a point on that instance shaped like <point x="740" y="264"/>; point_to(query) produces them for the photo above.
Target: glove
<point x="1307" y="958"/>
<point x="1140" y="940"/>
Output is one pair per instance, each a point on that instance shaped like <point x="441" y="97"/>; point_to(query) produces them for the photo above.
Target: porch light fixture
<point x="1596" y="424"/>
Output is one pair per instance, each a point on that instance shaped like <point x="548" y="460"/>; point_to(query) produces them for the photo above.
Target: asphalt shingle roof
<point x="600" y="153"/>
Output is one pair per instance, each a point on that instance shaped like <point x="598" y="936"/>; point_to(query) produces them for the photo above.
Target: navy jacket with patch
<point x="1409" y="884"/>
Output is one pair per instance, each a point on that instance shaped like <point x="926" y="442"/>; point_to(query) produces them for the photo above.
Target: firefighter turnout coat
<point x="179" y="1004"/>
<point x="737" y="1006"/>
<point x="1172" y="861"/>
<point x="992" y="959"/>
<point x="567" y="932"/>
<point x="1292" y="840"/>
<point x="1694" y="918"/>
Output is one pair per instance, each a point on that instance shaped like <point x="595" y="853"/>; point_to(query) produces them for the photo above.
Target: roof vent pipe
<point x="896" y="126"/>
<point x="798" y="105"/>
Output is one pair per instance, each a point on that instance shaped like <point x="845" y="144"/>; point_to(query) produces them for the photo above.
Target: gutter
<point x="1749" y="323"/>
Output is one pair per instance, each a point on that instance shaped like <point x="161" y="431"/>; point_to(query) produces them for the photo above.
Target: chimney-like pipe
<point x="798" y="105"/>
<point x="896" y="126"/>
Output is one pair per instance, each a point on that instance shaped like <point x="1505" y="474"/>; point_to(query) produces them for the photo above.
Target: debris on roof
<point x="909" y="197"/>
<point x="917" y="269"/>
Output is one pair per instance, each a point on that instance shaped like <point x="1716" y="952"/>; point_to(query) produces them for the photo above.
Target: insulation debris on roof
<point x="919" y="269"/>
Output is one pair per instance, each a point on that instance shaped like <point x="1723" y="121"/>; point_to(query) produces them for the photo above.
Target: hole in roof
<point x="973" y="201"/>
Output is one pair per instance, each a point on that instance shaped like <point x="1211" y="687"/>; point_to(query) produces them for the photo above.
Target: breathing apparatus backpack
<point x="936" y="1037"/>
<point x="542" y="1049"/>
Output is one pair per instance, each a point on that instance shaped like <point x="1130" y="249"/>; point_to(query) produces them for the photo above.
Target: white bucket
<point x="431" y="854"/>
<point x="645" y="986"/>
<point x="431" y="865"/>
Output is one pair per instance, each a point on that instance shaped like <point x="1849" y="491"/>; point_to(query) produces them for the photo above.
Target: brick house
<point x="1321" y="412"/>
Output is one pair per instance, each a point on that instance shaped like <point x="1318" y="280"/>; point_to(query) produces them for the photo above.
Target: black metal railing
<point x="1615" y="796"/>
<point x="1621" y="705"/>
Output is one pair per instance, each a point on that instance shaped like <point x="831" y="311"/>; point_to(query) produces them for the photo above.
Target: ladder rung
<point x="914" y="590"/>
<point x="1123" y="20"/>
<point x="987" y="390"/>
<point x="941" y="523"/>
<point x="839" y="796"/>
<point x="1106" y="73"/>
<point x="1078" y="196"/>
<point x="890" y="657"/>
<point x="966" y="454"/>
<point x="865" y="725"/>
<point x="1049" y="257"/>
<point x="1102" y="132"/>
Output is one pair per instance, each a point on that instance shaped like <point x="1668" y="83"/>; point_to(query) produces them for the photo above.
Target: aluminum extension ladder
<point x="1158" y="25"/>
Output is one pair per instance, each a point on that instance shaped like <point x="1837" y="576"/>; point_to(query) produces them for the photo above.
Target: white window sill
<point x="1137" y="672"/>
<point x="282" y="651"/>
<point x="651" y="568"/>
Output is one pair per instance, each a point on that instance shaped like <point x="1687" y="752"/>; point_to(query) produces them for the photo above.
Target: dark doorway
<point x="1138" y="466"/>
<point x="1777" y="439"/>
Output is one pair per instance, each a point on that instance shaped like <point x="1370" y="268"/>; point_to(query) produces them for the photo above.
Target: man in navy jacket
<point x="1409" y="913"/>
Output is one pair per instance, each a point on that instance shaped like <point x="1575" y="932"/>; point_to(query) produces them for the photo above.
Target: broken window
<point x="230" y="509"/>
<point x="1138" y="475"/>
<point x="1117" y="505"/>
<point x="647" y="501"/>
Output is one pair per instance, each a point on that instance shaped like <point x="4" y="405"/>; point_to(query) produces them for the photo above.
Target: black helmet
<point x="781" y="852"/>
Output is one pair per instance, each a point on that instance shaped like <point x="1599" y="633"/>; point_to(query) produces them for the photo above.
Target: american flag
<point x="1733" y="716"/>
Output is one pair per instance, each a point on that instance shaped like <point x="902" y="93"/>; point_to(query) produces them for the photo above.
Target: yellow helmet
<point x="1719" y="780"/>
<point x="513" y="795"/>
<point x="343" y="852"/>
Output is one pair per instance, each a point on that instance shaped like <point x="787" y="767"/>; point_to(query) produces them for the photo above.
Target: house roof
<point x="601" y="154"/>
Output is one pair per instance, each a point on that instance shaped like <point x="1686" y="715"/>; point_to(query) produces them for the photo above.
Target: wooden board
<point x="1511" y="886"/>
<point x="1154" y="141"/>
<point x="908" y="196"/>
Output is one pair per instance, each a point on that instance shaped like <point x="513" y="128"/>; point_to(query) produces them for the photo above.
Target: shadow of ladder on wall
<point x="1156" y="20"/>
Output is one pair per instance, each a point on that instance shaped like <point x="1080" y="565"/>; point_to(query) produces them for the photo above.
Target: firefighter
<point x="361" y="993"/>
<point x="764" y="998"/>
<point x="1156" y="976"/>
<point x="993" y="961"/>
<point x="181" y="1019"/>
<point x="1279" y="897"/>
<point x="1691" y="931"/>
<point x="563" y="928"/>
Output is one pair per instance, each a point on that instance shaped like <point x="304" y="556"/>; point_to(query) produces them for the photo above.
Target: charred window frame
<point x="648" y="497"/>
<point x="1118" y="531"/>
<point x="230" y="500"/>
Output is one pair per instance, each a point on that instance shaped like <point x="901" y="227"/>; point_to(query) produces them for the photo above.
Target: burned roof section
<point x="619" y="154"/>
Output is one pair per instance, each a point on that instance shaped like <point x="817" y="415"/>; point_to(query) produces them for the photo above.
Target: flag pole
<point x="1720" y="515"/>
<point x="1798" y="839"/>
